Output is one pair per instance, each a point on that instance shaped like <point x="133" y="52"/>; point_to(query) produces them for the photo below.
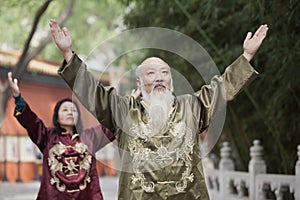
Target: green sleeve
<point x="103" y="102"/>
<point x="224" y="88"/>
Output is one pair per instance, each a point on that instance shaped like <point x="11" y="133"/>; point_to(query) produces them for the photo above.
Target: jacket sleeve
<point x="103" y="102"/>
<point x="96" y="137"/>
<point x="214" y="96"/>
<point x="35" y="127"/>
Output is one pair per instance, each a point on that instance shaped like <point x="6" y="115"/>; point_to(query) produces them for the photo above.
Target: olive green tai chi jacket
<point x="165" y="165"/>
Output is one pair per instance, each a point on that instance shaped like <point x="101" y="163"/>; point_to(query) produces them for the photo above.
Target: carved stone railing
<point x="226" y="183"/>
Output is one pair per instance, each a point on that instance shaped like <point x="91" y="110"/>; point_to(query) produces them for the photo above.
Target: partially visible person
<point x="69" y="165"/>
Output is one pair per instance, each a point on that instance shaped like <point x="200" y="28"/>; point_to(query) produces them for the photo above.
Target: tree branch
<point x="26" y="57"/>
<point x="22" y="62"/>
<point x="61" y="20"/>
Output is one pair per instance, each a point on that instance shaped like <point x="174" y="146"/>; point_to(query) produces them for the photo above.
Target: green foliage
<point x="269" y="108"/>
<point x="90" y="23"/>
<point x="14" y="18"/>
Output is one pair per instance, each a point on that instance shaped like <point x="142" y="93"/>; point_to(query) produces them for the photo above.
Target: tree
<point x="269" y="108"/>
<point x="27" y="55"/>
<point x="91" y="23"/>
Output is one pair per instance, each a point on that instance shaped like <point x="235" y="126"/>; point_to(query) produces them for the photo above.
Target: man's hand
<point x="13" y="85"/>
<point x="252" y="44"/>
<point x="62" y="39"/>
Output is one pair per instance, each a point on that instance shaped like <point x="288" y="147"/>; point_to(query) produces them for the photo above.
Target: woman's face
<point x="67" y="115"/>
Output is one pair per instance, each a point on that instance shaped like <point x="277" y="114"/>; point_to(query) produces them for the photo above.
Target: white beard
<point x="159" y="107"/>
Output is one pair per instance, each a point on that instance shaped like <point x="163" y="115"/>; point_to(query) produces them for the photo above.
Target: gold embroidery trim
<point x="75" y="190"/>
<point x="55" y="152"/>
<point x="163" y="155"/>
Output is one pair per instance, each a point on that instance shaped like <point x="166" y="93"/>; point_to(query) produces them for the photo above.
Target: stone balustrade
<point x="227" y="184"/>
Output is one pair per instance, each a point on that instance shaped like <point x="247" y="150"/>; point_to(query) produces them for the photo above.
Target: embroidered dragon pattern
<point x="179" y="148"/>
<point x="69" y="166"/>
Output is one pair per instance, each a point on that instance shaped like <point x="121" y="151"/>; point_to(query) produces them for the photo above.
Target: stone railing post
<point x="226" y="164"/>
<point x="297" y="176"/>
<point x="256" y="166"/>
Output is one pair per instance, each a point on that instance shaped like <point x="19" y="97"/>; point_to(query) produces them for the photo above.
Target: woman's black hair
<point x="77" y="128"/>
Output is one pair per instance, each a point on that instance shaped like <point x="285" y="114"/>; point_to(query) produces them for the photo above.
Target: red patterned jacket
<point x="69" y="165"/>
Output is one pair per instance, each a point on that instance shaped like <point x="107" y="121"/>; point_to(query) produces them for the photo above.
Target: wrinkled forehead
<point x="151" y="63"/>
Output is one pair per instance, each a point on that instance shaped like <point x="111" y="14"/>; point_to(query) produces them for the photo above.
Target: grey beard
<point x="159" y="107"/>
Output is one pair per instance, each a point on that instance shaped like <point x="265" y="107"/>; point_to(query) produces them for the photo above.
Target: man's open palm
<point x="252" y="43"/>
<point x="60" y="36"/>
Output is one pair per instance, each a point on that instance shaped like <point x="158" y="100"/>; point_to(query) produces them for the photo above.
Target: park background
<point x="267" y="110"/>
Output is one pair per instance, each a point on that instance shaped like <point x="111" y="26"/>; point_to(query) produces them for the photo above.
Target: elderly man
<point x="157" y="134"/>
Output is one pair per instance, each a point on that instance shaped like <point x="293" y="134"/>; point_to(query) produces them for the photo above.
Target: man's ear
<point x="138" y="83"/>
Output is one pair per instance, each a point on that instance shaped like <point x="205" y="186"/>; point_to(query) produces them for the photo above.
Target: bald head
<point x="150" y="62"/>
<point x="154" y="73"/>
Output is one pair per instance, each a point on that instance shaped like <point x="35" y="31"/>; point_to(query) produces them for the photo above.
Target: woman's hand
<point x="13" y="85"/>
<point x="136" y="93"/>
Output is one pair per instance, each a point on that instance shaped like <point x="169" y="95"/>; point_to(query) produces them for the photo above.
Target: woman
<point x="69" y="167"/>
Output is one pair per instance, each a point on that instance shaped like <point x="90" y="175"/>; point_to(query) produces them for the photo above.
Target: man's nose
<point x="159" y="77"/>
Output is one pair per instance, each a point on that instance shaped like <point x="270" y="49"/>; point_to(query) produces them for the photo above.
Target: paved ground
<point x="28" y="191"/>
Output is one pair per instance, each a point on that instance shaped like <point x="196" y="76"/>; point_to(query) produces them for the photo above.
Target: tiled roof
<point x="42" y="66"/>
<point x="10" y="58"/>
